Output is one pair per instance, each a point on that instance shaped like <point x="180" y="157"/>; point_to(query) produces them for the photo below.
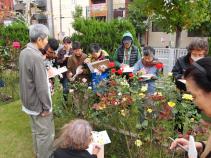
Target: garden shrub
<point x="8" y="34"/>
<point x="15" y="32"/>
<point x="107" y="34"/>
<point x="118" y="110"/>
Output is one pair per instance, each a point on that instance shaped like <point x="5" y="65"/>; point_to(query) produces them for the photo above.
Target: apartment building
<point x="6" y="11"/>
<point x="61" y="16"/>
<point x="109" y="9"/>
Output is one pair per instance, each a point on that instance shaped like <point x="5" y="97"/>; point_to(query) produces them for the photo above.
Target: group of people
<point x="37" y="103"/>
<point x="195" y="69"/>
<point x="75" y="137"/>
<point x="35" y="62"/>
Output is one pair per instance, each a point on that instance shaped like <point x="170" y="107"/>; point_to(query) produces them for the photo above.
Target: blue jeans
<point x="64" y="81"/>
<point x="151" y="87"/>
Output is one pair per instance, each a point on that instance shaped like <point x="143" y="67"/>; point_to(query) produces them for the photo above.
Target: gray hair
<point x="38" y="31"/>
<point x="198" y="44"/>
<point x="148" y="51"/>
<point x="75" y="135"/>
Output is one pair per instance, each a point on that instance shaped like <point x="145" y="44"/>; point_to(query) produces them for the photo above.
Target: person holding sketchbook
<point x="197" y="49"/>
<point x="74" y="140"/>
<point x="62" y="57"/>
<point x="198" y="82"/>
<point x="147" y="67"/>
<point x="49" y="56"/>
<point x="97" y="54"/>
<point x="127" y="54"/>
<point x="75" y="64"/>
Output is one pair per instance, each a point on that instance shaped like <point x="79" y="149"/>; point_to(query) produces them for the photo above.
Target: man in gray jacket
<point x="35" y="91"/>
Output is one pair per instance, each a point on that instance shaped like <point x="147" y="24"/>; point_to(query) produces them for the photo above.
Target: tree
<point x="107" y="34"/>
<point x="141" y="23"/>
<point x="78" y="12"/>
<point x="174" y="15"/>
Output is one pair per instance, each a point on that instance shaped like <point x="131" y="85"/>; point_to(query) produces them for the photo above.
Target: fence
<point x="168" y="56"/>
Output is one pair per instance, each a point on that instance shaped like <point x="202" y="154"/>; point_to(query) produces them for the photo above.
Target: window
<point x="118" y="13"/>
<point x="100" y="18"/>
<point x="98" y="1"/>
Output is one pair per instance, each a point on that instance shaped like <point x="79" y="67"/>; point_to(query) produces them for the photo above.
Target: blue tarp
<point x="2" y="84"/>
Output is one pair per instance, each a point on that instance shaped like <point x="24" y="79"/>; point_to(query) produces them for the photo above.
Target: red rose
<point x="113" y="71"/>
<point x="131" y="75"/>
<point x="16" y="45"/>
<point x="111" y="64"/>
<point x="159" y="65"/>
<point x="119" y="72"/>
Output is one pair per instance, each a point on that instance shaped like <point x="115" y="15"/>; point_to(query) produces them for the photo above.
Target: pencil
<point x="179" y="144"/>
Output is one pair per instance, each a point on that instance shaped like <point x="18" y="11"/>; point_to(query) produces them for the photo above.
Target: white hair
<point x="38" y="31"/>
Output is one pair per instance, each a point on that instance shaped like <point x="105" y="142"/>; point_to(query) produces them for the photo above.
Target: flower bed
<point x="139" y="125"/>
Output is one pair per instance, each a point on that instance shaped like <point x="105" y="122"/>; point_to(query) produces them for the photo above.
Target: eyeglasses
<point x="127" y="41"/>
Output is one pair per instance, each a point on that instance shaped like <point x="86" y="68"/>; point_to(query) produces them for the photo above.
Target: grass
<point x="15" y="132"/>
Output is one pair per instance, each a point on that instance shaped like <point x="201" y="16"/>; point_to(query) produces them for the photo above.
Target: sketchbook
<point x="95" y="65"/>
<point x="128" y="69"/>
<point x="101" y="138"/>
<point x="52" y="72"/>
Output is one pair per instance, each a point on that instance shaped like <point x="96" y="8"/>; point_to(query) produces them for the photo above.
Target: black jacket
<point x="180" y="66"/>
<point x="68" y="153"/>
<point x="178" y="70"/>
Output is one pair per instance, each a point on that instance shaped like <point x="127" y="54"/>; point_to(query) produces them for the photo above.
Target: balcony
<point x="97" y="10"/>
<point x="41" y="4"/>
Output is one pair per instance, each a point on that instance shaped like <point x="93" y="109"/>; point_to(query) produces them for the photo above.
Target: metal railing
<point x="168" y="56"/>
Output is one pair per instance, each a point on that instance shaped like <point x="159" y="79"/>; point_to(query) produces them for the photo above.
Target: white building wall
<point x="118" y="4"/>
<point x="162" y="39"/>
<point x="67" y="8"/>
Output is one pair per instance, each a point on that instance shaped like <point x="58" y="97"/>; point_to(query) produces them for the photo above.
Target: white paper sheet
<point x="52" y="72"/>
<point x="192" y="152"/>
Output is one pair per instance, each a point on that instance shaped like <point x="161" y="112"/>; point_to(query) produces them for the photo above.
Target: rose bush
<point x="140" y="122"/>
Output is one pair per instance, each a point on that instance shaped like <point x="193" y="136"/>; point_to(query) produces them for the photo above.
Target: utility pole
<point x="110" y="10"/>
<point x="50" y="17"/>
<point x="60" y="9"/>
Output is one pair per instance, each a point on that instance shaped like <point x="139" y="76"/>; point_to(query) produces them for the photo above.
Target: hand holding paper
<point x="52" y="72"/>
<point x="192" y="152"/>
<point x="79" y="71"/>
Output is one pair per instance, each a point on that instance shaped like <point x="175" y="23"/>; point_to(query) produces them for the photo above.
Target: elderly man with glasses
<point x="127" y="54"/>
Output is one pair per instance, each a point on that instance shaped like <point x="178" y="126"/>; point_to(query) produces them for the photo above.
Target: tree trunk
<point x="139" y="37"/>
<point x="178" y="36"/>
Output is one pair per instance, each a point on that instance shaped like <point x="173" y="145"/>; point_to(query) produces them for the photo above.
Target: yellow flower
<point x="170" y="74"/>
<point x="149" y="110"/>
<point x="123" y="112"/>
<point x="171" y="104"/>
<point x="192" y="119"/>
<point x="187" y="97"/>
<point x="138" y="143"/>
<point x="144" y="89"/>
<point x="102" y="106"/>
<point x="142" y="95"/>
